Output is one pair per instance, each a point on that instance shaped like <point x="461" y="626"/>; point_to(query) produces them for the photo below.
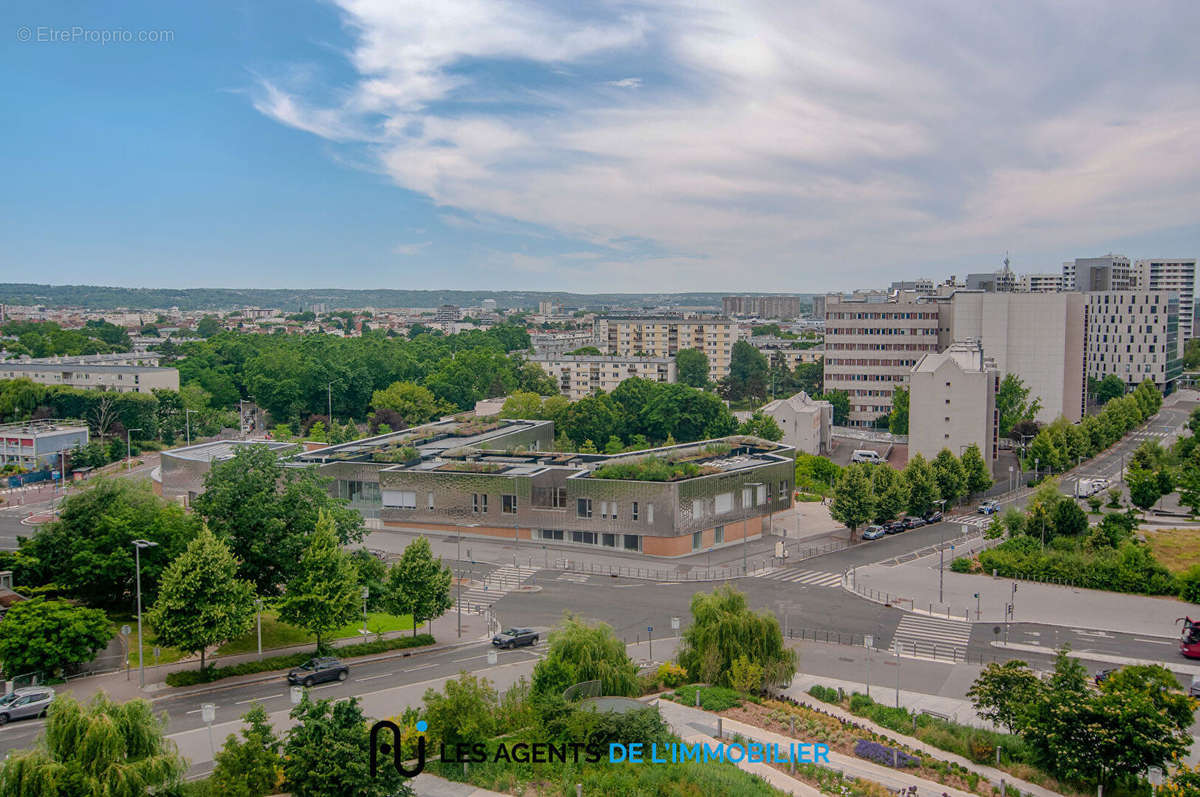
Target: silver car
<point x="30" y="701"/>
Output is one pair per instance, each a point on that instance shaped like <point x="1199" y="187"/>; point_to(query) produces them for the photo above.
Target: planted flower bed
<point x="882" y="754"/>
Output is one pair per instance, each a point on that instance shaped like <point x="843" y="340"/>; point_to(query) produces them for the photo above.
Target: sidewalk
<point x="122" y="686"/>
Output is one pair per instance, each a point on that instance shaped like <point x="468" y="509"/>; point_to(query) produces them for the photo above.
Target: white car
<point x="867" y="456"/>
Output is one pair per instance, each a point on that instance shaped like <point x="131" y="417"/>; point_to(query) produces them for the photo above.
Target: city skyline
<point x="626" y="148"/>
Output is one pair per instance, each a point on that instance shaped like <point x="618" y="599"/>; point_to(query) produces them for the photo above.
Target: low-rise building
<point x="952" y="403"/>
<point x="807" y="423"/>
<point x="664" y="336"/>
<point x="1040" y="283"/>
<point x="585" y="375"/>
<point x="181" y="471"/>
<point x="1134" y="335"/>
<point x="37" y="445"/>
<point x="120" y="378"/>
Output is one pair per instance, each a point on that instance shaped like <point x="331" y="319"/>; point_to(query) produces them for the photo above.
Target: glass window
<point x="483" y="500"/>
<point x="429" y="501"/>
<point x="633" y="512"/>
<point x="719" y="534"/>
<point x="583" y="507"/>
<point x="633" y="542"/>
<point x="584" y="537"/>
<point x="609" y="540"/>
<point x="697" y="540"/>
<point x="405" y="499"/>
<point x="509" y="506"/>
<point x="649" y="513"/>
<point x="474" y="502"/>
<point x="723" y="503"/>
<point x="560" y="498"/>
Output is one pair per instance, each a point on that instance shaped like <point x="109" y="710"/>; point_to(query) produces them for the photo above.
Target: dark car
<point x="873" y="532"/>
<point x="319" y="670"/>
<point x="913" y="522"/>
<point x="933" y="517"/>
<point x="514" y="637"/>
<point x="895" y="527"/>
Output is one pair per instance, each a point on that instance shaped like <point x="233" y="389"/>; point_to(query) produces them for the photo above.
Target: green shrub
<point x="210" y="674"/>
<point x="1189" y="584"/>
<point x="961" y="564"/>
<point x="826" y="693"/>
<point x="671" y="675"/>
<point x="712" y="698"/>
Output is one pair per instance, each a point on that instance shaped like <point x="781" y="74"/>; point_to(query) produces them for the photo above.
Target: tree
<point x="1109" y="388"/>
<point x="691" y="367"/>
<point x="723" y="630"/>
<point x="266" y="512"/>
<point x="1069" y="519"/>
<point x="747" y="373"/>
<point x="201" y="601"/>
<point x="685" y="414"/>
<point x="418" y="584"/>
<point x="251" y="766"/>
<point x="1052" y="723"/>
<point x="950" y="476"/>
<point x="761" y="425"/>
<point x="324" y="593"/>
<point x="1043" y="455"/>
<point x="327" y="753"/>
<point x="50" y="636"/>
<point x="1139" y="719"/>
<point x="463" y="713"/>
<point x="415" y="404"/>
<point x="1143" y="487"/>
<point x="591" y="418"/>
<point x="99" y="748"/>
<point x="840" y="400"/>
<point x="1013" y="404"/>
<point x="208" y="326"/>
<point x="891" y="493"/>
<point x="522" y="404"/>
<point x="1001" y="692"/>
<point x="372" y="575"/>
<point x="975" y="469"/>
<point x="898" y="419"/>
<point x="853" y="499"/>
<point x="922" y="486"/>
<point x="579" y="651"/>
<point x="88" y="551"/>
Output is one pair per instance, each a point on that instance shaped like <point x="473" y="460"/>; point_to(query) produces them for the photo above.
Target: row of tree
<point x="1061" y="445"/>
<point x="879" y="493"/>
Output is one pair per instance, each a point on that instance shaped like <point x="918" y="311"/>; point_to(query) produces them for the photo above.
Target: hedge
<point x="1129" y="568"/>
<point x="210" y="674"/>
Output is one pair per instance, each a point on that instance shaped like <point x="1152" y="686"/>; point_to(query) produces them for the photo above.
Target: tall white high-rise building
<point x="1108" y="273"/>
<point x="1133" y="334"/>
<point x="1172" y="274"/>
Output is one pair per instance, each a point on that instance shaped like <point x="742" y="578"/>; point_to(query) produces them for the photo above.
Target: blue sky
<point x="640" y="146"/>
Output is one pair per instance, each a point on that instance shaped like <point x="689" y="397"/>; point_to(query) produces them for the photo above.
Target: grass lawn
<point x="277" y="634"/>
<point x="149" y="640"/>
<point x="1177" y="549"/>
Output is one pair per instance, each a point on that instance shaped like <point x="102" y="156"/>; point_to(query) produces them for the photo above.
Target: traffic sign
<point x="868" y="641"/>
<point x="649" y="629"/>
<point x="126" y="630"/>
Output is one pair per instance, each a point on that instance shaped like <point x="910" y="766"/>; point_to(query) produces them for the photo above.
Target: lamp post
<point x="366" y="593"/>
<point x="258" y="605"/>
<point x="941" y="502"/>
<point x="1010" y="478"/>
<point x="329" y="428"/>
<point x="129" y="448"/>
<point x="62" y="471"/>
<point x="138" y="545"/>
<point x="187" y="424"/>
<point x="208" y="712"/>
<point x="458" y="564"/>
<point x="745" y="517"/>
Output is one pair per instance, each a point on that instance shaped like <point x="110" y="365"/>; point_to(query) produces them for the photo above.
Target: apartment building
<point x="1040" y="283"/>
<point x="1108" y="273"/>
<point x="1135" y="335"/>
<point x="35" y="445"/>
<point x="1172" y="274"/>
<point x="761" y="306"/>
<point x="952" y="403"/>
<point x="870" y="347"/>
<point x="561" y="342"/>
<point x="121" y="378"/>
<point x="664" y="336"/>
<point x="584" y="375"/>
<point x="807" y="423"/>
<point x="151" y="358"/>
<point x="787" y="350"/>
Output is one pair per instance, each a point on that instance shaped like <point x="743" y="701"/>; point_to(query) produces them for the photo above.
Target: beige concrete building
<point x="807" y="423"/>
<point x="584" y="375"/>
<point x="1108" y="273"/>
<point x="952" y="403"/>
<point x="1134" y="334"/>
<point x="1039" y="337"/>
<point x="1040" y="283"/>
<point x="121" y="378"/>
<point x="665" y="336"/>
<point x="1172" y="274"/>
<point x="870" y="347"/>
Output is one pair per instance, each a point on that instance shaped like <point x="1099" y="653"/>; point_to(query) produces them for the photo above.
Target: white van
<point x="867" y="456"/>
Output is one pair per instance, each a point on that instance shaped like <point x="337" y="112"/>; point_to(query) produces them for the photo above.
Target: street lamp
<point x="1010" y="478"/>
<point x="187" y="424"/>
<point x="208" y="712"/>
<point x="366" y="593"/>
<point x="458" y="565"/>
<point x="129" y="448"/>
<point x="258" y="605"/>
<point x="745" y="537"/>
<point x="941" y="502"/>
<point x="329" y="428"/>
<point x="138" y="545"/>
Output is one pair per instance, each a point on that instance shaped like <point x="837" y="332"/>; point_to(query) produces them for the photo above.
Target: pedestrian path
<point x="577" y="578"/>
<point x="814" y="578"/>
<point x="932" y="637"/>
<point x="495" y="586"/>
<point x="975" y="519"/>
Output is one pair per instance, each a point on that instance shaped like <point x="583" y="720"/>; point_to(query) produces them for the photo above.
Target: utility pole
<point x="187" y="422"/>
<point x="328" y="436"/>
<point x="753" y="486"/>
<point x="129" y="448"/>
<point x="138" y="545"/>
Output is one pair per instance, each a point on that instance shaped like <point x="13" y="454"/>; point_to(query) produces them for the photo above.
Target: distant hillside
<point x="98" y="297"/>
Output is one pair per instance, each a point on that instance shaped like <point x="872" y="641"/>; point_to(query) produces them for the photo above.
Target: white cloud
<point x="799" y="146"/>
<point x="410" y="249"/>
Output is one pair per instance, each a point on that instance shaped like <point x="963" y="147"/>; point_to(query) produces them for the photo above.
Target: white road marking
<point x="256" y="699"/>
<point x="422" y="667"/>
<point x="373" y="677"/>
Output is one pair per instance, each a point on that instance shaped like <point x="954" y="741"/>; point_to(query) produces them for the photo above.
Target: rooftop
<point x="219" y="450"/>
<point x="12" y="365"/>
<point x="44" y="426"/>
<point x="431" y="439"/>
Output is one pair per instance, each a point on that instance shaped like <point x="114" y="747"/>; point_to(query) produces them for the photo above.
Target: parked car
<point x="988" y="507"/>
<point x="29" y="701"/>
<point x="1085" y="488"/>
<point x="911" y="522"/>
<point x="895" y="527"/>
<point x="868" y="456"/>
<point x="934" y="517"/>
<point x="1194" y="689"/>
<point x="319" y="670"/>
<point x="515" y="637"/>
<point x="874" y="532"/>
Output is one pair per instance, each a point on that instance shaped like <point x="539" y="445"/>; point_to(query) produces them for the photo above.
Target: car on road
<point x="29" y="701"/>
<point x="515" y="637"/>
<point x="874" y="532"/>
<point x="867" y="456"/>
<point x="1194" y="689"/>
<point x="895" y="527"/>
<point x="1102" y="676"/>
<point x="911" y="522"/>
<point x="318" y="670"/>
<point x="934" y="517"/>
<point x="988" y="507"/>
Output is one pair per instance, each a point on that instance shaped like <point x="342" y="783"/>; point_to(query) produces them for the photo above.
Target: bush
<point x="882" y="754"/>
<point x="671" y="675"/>
<point x="210" y="674"/>
<point x="1189" y="584"/>
<point x="712" y="698"/>
<point x="961" y="564"/>
<point x="825" y="693"/>
<point x="1129" y="567"/>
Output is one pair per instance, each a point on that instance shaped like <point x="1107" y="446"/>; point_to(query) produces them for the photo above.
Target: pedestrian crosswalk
<point x="578" y="578"/>
<point x="494" y="586"/>
<point x="931" y="637"/>
<point x="976" y="519"/>
<point x="814" y="578"/>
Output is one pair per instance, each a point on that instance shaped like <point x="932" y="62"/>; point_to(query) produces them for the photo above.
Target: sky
<point x="609" y="146"/>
